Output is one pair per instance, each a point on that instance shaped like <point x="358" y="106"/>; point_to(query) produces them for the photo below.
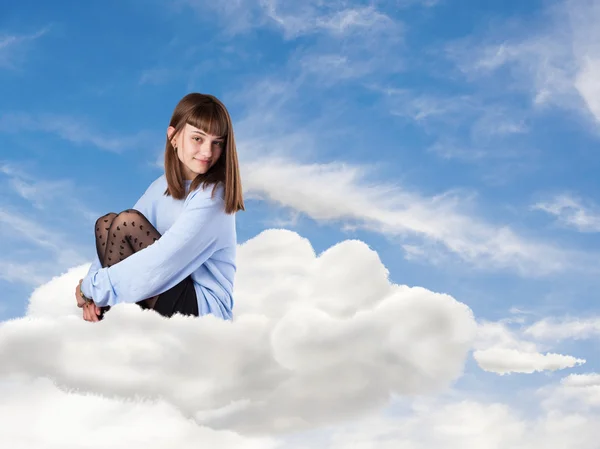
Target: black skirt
<point x="178" y="299"/>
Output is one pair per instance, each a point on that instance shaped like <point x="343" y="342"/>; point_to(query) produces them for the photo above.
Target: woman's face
<point x="197" y="150"/>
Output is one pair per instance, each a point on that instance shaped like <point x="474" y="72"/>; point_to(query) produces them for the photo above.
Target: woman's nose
<point x="206" y="149"/>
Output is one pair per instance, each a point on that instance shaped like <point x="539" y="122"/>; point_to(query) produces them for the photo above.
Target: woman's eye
<point x="220" y="144"/>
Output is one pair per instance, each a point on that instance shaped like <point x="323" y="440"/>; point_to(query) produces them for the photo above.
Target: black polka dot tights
<point x="118" y="236"/>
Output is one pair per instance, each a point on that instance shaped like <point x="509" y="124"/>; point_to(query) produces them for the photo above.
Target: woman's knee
<point x="129" y="216"/>
<point x="105" y="220"/>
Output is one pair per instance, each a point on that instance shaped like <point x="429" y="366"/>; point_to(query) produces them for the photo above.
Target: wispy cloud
<point x="572" y="212"/>
<point x="322" y="191"/>
<point x="341" y="42"/>
<point x="556" y="329"/>
<point x="296" y="19"/>
<point x="558" y="60"/>
<point x="73" y="130"/>
<point x="333" y="18"/>
<point x="34" y="249"/>
<point x="37" y="191"/>
<point x="37" y="245"/>
<point x="13" y="46"/>
<point x="53" y="196"/>
<point x="464" y="127"/>
<point x="277" y="168"/>
<point x="32" y="273"/>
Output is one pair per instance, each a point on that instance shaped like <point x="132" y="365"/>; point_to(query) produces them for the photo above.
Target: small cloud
<point x="579" y="389"/>
<point x="582" y="380"/>
<point x="13" y="46"/>
<point x="571" y="212"/>
<point x="505" y="361"/>
<point x="502" y="350"/>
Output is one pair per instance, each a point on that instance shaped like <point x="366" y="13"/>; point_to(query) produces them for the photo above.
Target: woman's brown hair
<point x="207" y="113"/>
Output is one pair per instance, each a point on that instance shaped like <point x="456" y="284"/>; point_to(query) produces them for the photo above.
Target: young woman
<point x="174" y="252"/>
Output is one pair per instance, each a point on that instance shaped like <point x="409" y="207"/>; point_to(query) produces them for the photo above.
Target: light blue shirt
<point x="198" y="239"/>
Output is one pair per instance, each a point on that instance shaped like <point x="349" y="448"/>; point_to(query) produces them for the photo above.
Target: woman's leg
<point x="120" y="235"/>
<point x="128" y="233"/>
<point x="102" y="227"/>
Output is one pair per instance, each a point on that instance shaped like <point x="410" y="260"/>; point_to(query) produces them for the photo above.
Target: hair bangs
<point x="210" y="118"/>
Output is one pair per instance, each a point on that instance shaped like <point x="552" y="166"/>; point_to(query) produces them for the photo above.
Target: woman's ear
<point x="170" y="132"/>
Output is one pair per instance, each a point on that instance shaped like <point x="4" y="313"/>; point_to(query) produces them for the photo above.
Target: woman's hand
<point x="80" y="301"/>
<point x="91" y="312"/>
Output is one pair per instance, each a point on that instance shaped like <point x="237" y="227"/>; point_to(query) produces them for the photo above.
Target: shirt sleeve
<point x="186" y="245"/>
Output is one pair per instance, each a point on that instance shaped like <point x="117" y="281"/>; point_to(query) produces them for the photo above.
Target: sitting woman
<point x="174" y="252"/>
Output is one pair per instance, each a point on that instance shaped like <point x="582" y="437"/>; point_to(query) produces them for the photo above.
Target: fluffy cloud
<point x="315" y="340"/>
<point x="582" y="389"/>
<point x="501" y="350"/>
<point x="469" y="424"/>
<point x="504" y="361"/>
<point x="38" y="415"/>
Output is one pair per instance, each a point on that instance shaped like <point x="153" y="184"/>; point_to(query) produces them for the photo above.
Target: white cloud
<point x="301" y="321"/>
<point x="582" y="380"/>
<point x="504" y="361"/>
<point x="12" y="47"/>
<point x="576" y="392"/>
<point x="29" y="273"/>
<point x="572" y="212"/>
<point x="295" y="19"/>
<point x="341" y="42"/>
<point x="558" y="61"/>
<point x="563" y="329"/>
<point x="338" y="192"/>
<point x="469" y="424"/>
<point x="38" y="415"/>
<point x="17" y="225"/>
<point x="500" y="335"/>
<point x="44" y="194"/>
<point x="586" y="83"/>
<point x="37" y="240"/>
<point x="502" y="350"/>
<point x="334" y="18"/>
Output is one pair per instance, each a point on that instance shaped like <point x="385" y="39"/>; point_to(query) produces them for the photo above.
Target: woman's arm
<point x="190" y="241"/>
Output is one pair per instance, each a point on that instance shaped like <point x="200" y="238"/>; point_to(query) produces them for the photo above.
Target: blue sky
<point x="458" y="140"/>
